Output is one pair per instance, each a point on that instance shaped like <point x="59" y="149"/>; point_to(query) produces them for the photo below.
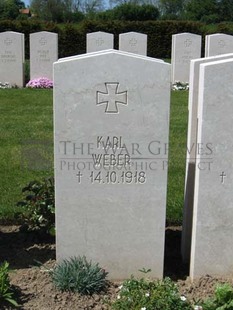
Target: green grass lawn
<point x="177" y="155"/>
<point x="26" y="121"/>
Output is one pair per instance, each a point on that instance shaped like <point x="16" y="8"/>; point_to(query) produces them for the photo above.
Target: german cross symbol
<point x="99" y="41"/>
<point x="8" y="41"/>
<point x="221" y="43"/>
<point x="187" y="43"/>
<point x="43" y="41"/>
<point x="111" y="97"/>
<point x="133" y="42"/>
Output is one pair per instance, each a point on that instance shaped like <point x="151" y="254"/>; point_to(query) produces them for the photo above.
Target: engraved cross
<point x="43" y="41"/>
<point x="187" y="43"/>
<point x="99" y="41"/>
<point x="221" y="43"/>
<point x="133" y="42"/>
<point x="111" y="97"/>
<point x="223" y="175"/>
<point x="8" y="41"/>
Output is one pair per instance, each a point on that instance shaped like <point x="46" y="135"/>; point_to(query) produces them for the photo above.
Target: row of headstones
<point x="187" y="46"/>
<point x="111" y="140"/>
<point x="44" y="51"/>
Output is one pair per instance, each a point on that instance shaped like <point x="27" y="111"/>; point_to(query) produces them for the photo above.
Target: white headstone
<point x="43" y="53"/>
<point x="218" y="44"/>
<point x="106" y="52"/>
<point x="112" y="212"/>
<point x="212" y="251"/>
<point x="133" y="42"/>
<point x="98" y="41"/>
<point x="192" y="151"/>
<point x="185" y="46"/>
<point x="12" y="58"/>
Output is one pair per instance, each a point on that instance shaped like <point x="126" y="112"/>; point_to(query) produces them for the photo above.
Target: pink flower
<point x="42" y="82"/>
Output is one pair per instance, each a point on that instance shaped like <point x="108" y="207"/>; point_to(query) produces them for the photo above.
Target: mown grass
<point x="26" y="124"/>
<point x="177" y="155"/>
<point x="25" y="120"/>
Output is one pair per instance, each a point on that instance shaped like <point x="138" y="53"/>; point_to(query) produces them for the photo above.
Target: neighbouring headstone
<point x="111" y="132"/>
<point x="193" y="151"/>
<point x="43" y="53"/>
<point x="98" y="41"/>
<point x="185" y="46"/>
<point x="12" y="58"/>
<point x="218" y="44"/>
<point x="212" y="251"/>
<point x="133" y="42"/>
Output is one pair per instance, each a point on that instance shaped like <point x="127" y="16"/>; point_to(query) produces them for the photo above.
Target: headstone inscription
<point x="133" y="42"/>
<point x="212" y="251"/>
<point x="12" y="58"/>
<point x="98" y="41"/>
<point x="108" y="135"/>
<point x="43" y="53"/>
<point x="185" y="46"/>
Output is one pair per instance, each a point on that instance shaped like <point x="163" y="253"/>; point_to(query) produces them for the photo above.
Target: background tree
<point x="9" y="9"/>
<point x="114" y="3"/>
<point x="202" y="10"/>
<point x="171" y="9"/>
<point x="131" y="12"/>
<point x="225" y="10"/>
<point x="64" y="10"/>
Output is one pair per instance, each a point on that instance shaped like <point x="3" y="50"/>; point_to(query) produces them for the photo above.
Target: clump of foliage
<point x="39" y="206"/>
<point x="144" y="294"/>
<point x="79" y="275"/>
<point x="223" y="299"/>
<point x="130" y="12"/>
<point x="6" y="293"/>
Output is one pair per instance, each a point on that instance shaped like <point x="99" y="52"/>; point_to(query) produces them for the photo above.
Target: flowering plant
<point x="144" y="294"/>
<point x="42" y="82"/>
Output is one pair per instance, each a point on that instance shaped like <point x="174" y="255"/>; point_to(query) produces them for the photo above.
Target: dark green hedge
<point x="159" y="32"/>
<point x="72" y="37"/>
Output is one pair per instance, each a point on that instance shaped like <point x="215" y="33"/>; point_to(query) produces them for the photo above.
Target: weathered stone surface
<point x="43" y="53"/>
<point x="218" y="44"/>
<point x="12" y="58"/>
<point x="212" y="251"/>
<point x="192" y="151"/>
<point x="98" y="41"/>
<point x="133" y="42"/>
<point x="185" y="46"/>
<point x="111" y="131"/>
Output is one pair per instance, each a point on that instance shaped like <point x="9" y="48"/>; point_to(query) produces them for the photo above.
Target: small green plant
<point x="144" y="294"/>
<point x="39" y="206"/>
<point x="79" y="275"/>
<point x="6" y="294"/>
<point x="223" y="299"/>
